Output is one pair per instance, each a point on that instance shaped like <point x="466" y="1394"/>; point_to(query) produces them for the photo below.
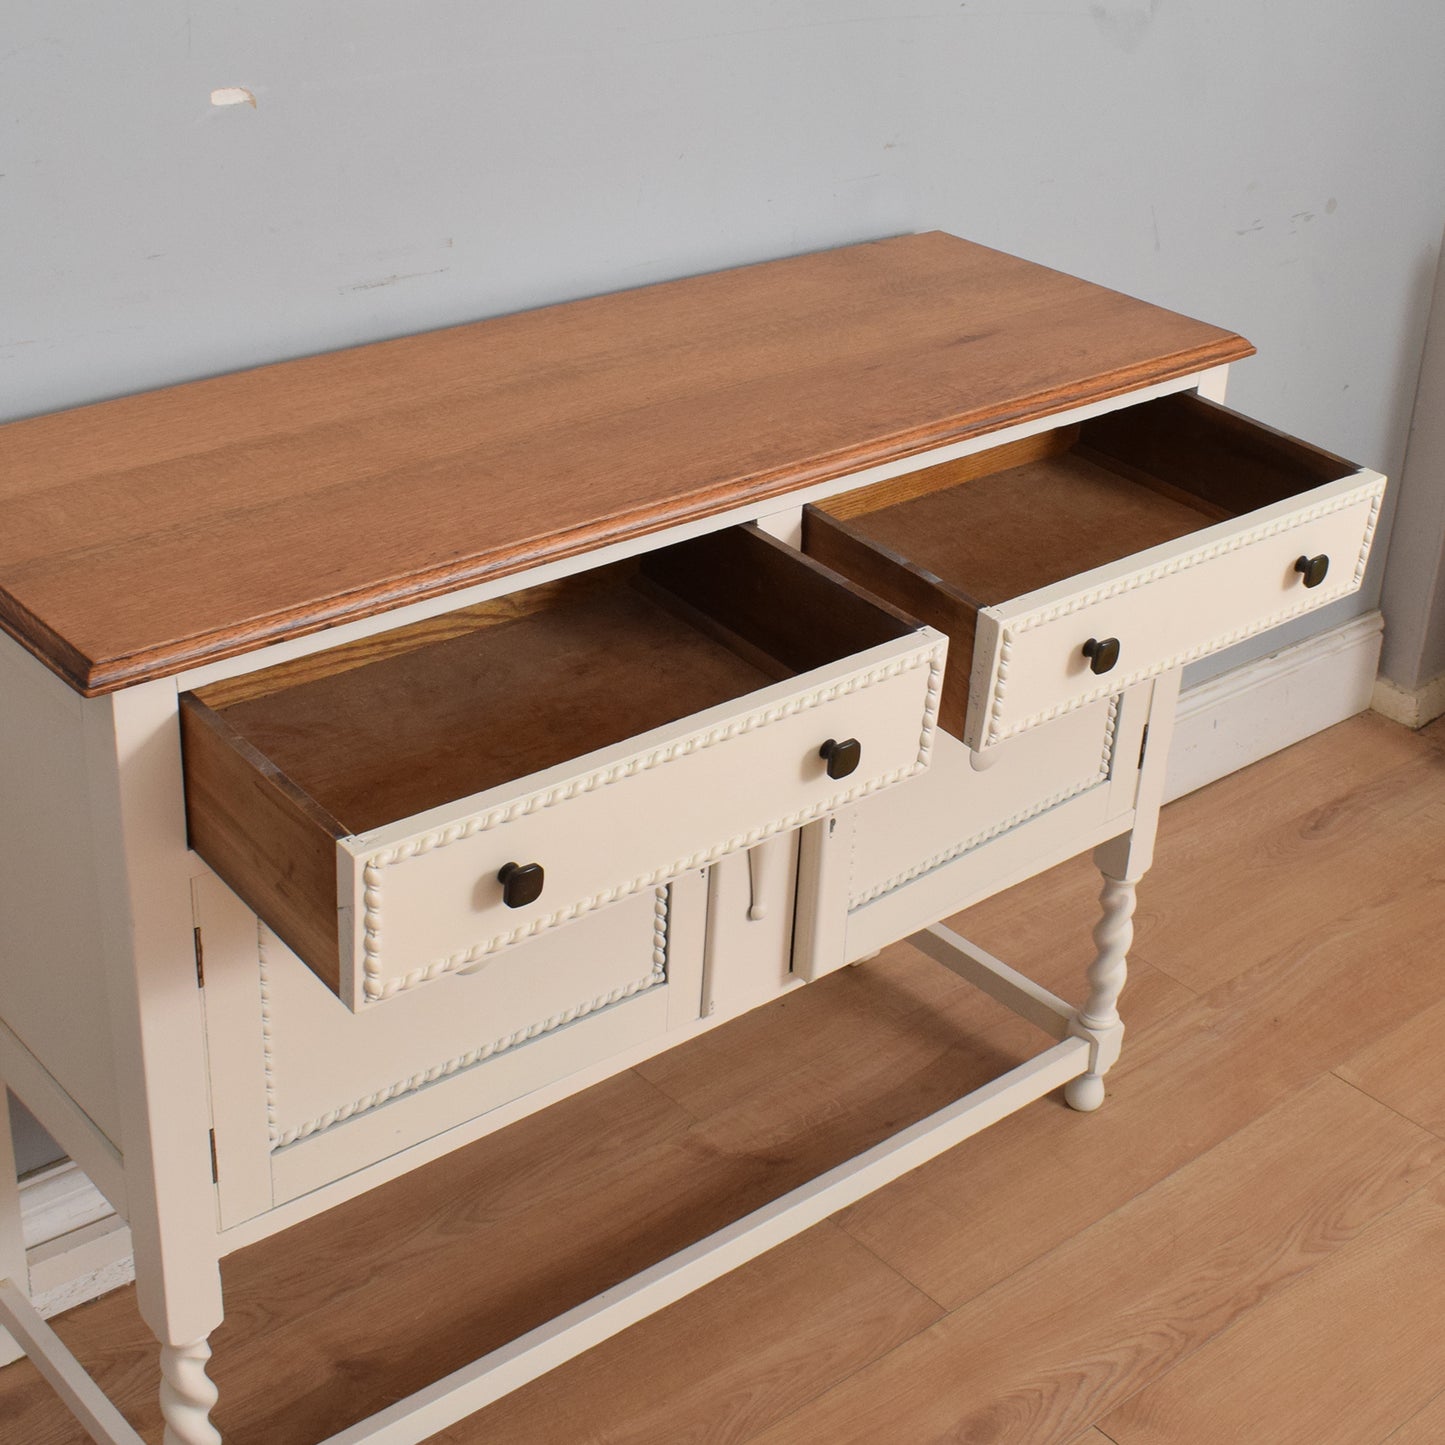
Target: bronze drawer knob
<point x="521" y="883"/>
<point x="1313" y="569"/>
<point x="1102" y="653"/>
<point x="842" y="758"/>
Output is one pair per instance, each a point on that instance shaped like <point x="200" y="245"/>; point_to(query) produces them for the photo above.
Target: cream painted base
<point x="1222" y="725"/>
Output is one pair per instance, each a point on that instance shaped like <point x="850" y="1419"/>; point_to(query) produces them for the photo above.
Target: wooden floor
<point x="1245" y="1244"/>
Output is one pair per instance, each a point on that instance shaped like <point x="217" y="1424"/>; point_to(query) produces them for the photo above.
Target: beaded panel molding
<point x="280" y="1136"/>
<point x="1101" y="774"/>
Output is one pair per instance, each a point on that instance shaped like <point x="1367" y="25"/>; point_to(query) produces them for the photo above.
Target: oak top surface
<point x="156" y="532"/>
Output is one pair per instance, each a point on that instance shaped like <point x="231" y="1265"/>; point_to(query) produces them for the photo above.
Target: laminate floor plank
<point x="857" y="1064"/>
<point x="859" y="1096"/>
<point x="1406" y="1070"/>
<point x="1300" y="820"/>
<point x="965" y="1221"/>
<point x="1425" y="1428"/>
<point x="1054" y="1349"/>
<point x="1339" y="1359"/>
<point x="712" y="1072"/>
<point x="559" y="1207"/>
<point x="724" y="1363"/>
<point x="1281" y="841"/>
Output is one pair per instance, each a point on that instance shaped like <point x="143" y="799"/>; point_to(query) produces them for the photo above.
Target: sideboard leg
<point x="1098" y="1020"/>
<point x="133" y="762"/>
<point x="187" y="1395"/>
<point x="1123" y="861"/>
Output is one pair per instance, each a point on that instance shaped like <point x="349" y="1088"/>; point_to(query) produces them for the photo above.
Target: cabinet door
<point x="306" y="1092"/>
<point x="960" y="833"/>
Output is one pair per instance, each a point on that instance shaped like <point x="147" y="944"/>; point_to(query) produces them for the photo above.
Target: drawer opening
<point x="283" y="763"/>
<point x="947" y="541"/>
<point x="393" y="725"/>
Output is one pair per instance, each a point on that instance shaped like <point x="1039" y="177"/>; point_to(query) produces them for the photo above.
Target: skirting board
<point x="1235" y="719"/>
<point x="76" y="1247"/>
<point x="1412" y="706"/>
<point x="1223" y="724"/>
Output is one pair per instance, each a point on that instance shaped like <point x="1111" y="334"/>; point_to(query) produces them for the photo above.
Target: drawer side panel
<point x="270" y="844"/>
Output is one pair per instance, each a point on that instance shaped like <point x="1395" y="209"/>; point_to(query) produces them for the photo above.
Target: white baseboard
<point x="1412" y="706"/>
<point x="1251" y="711"/>
<point x="76" y="1247"/>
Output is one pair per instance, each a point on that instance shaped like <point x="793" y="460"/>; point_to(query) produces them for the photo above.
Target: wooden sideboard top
<point x="156" y="532"/>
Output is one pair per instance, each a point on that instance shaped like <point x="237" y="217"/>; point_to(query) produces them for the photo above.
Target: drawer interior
<point x="944" y="542"/>
<point x="283" y="763"/>
<point x="393" y="725"/>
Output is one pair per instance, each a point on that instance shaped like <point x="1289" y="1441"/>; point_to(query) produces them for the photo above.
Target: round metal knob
<point x="1102" y="653"/>
<point x="521" y="883"/>
<point x="842" y="757"/>
<point x="1313" y="569"/>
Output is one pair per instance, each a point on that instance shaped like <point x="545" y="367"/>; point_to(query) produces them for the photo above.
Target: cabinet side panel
<point x="50" y="924"/>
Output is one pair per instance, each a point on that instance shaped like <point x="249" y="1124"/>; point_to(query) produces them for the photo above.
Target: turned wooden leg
<point x="187" y="1395"/>
<point x="1098" y="1020"/>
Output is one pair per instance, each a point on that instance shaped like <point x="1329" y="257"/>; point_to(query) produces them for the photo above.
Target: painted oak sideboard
<point x="396" y="741"/>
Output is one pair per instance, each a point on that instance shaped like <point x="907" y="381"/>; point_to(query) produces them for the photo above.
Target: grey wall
<point x="33" y="1146"/>
<point x="1275" y="167"/>
<point x="1414" y="597"/>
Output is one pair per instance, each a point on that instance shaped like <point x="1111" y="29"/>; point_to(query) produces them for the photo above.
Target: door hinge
<point x="200" y="960"/>
<point x="215" y="1167"/>
<point x="1143" y="746"/>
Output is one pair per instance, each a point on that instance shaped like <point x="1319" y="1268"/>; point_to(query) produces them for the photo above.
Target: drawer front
<point x="422" y="899"/>
<point x="1166" y="607"/>
<point x="923" y="852"/>
<point x="911" y="832"/>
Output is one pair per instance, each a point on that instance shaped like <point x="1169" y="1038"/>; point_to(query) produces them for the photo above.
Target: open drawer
<point x="1074" y="564"/>
<point x="401" y="807"/>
